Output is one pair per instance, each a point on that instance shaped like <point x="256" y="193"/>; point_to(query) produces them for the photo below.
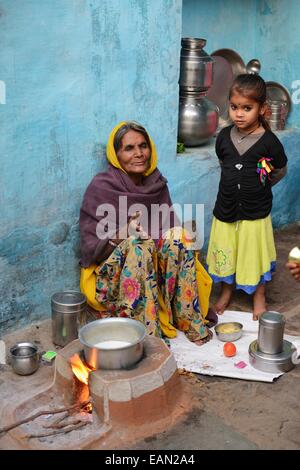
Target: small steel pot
<point x="24" y="358"/>
<point x="113" y="343"/>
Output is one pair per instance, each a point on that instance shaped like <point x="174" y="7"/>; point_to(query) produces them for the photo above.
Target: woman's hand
<point x="134" y="227"/>
<point x="294" y="270"/>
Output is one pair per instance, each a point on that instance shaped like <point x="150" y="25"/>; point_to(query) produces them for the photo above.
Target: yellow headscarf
<point x="112" y="156"/>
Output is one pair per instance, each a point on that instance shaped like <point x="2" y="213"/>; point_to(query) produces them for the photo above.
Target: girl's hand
<point x="134" y="227"/>
<point x="294" y="270"/>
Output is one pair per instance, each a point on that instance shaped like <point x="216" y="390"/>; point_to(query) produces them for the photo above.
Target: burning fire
<point x="80" y="369"/>
<point x="88" y="408"/>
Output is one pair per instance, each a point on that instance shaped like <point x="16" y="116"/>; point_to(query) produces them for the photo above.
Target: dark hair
<point x="254" y="87"/>
<point x="129" y="126"/>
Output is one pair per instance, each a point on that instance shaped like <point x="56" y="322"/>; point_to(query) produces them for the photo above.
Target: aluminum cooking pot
<point x="112" y="343"/>
<point x="24" y="358"/>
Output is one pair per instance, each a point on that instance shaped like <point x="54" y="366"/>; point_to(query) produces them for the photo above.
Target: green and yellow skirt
<point x="242" y="252"/>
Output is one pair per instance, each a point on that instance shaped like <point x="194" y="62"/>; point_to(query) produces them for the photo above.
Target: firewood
<point x="57" y="420"/>
<point x="59" y="431"/>
<point x="63" y="424"/>
<point x="40" y="413"/>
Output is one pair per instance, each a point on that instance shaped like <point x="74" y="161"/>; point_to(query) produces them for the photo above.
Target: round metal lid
<point x="68" y="299"/>
<point x="272" y="319"/>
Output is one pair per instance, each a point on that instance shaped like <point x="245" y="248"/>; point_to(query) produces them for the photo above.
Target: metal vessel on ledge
<point x="196" y="66"/>
<point x="198" y="117"/>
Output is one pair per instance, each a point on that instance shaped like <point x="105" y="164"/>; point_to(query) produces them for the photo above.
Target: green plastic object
<point x="180" y="147"/>
<point x="49" y="356"/>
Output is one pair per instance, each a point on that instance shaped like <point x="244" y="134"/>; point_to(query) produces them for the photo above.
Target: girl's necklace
<point x="246" y="135"/>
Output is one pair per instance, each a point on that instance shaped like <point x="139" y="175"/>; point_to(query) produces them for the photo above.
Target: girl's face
<point x="245" y="112"/>
<point x="134" y="154"/>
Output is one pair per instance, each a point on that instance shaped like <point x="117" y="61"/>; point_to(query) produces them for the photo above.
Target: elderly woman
<point x="135" y="259"/>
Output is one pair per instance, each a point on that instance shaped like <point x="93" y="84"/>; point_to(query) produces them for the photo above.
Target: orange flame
<point x="80" y="369"/>
<point x="88" y="408"/>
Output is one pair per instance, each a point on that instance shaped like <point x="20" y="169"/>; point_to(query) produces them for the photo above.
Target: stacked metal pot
<point x="271" y="352"/>
<point x="198" y="117"/>
<point x="277" y="114"/>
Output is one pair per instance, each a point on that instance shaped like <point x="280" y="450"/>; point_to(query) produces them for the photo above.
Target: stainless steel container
<point x="282" y="362"/>
<point x="276" y="114"/>
<point x="270" y="333"/>
<point x="196" y="66"/>
<point x="24" y="358"/>
<point x="113" y="343"/>
<point x="198" y="118"/>
<point x="66" y="307"/>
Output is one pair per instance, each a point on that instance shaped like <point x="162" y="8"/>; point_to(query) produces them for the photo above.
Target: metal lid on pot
<point x="273" y="319"/>
<point x="68" y="302"/>
<point x="193" y="43"/>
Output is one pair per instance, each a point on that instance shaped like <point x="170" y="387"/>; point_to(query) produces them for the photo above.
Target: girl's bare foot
<point x="259" y="302"/>
<point x="224" y="299"/>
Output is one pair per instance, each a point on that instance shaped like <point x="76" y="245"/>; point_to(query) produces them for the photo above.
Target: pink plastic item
<point x="240" y="365"/>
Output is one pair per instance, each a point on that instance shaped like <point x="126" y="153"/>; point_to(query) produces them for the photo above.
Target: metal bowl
<point x="112" y="343"/>
<point x="233" y="58"/>
<point x="24" y="358"/>
<point x="230" y="336"/>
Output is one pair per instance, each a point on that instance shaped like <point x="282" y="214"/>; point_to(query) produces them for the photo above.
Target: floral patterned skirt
<point x="128" y="283"/>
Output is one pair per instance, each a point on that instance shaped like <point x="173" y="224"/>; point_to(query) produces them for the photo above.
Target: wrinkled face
<point x="134" y="154"/>
<point x="245" y="112"/>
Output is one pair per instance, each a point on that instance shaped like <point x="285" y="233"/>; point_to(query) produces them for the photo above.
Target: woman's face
<point x="134" y="154"/>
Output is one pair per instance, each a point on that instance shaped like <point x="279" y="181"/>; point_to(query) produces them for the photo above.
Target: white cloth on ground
<point x="209" y="359"/>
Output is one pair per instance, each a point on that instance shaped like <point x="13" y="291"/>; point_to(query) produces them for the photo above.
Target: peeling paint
<point x="264" y="8"/>
<point x="96" y="29"/>
<point x="58" y="233"/>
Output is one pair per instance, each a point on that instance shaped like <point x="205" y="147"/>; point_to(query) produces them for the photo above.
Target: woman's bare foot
<point x="207" y="338"/>
<point x="259" y="302"/>
<point x="224" y="299"/>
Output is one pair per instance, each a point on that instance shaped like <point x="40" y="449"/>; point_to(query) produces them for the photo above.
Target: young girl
<point x="241" y="246"/>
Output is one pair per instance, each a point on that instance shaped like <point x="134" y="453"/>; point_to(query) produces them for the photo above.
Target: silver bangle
<point x="112" y="243"/>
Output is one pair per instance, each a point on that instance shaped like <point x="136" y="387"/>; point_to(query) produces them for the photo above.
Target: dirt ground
<point x="226" y="413"/>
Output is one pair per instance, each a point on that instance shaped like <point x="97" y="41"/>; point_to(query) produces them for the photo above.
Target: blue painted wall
<point x="223" y="23"/>
<point x="71" y="70"/>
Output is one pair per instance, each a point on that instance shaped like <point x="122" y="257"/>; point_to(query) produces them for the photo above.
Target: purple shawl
<point x="106" y="188"/>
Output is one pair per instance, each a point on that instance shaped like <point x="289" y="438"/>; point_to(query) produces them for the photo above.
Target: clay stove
<point x="125" y="405"/>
